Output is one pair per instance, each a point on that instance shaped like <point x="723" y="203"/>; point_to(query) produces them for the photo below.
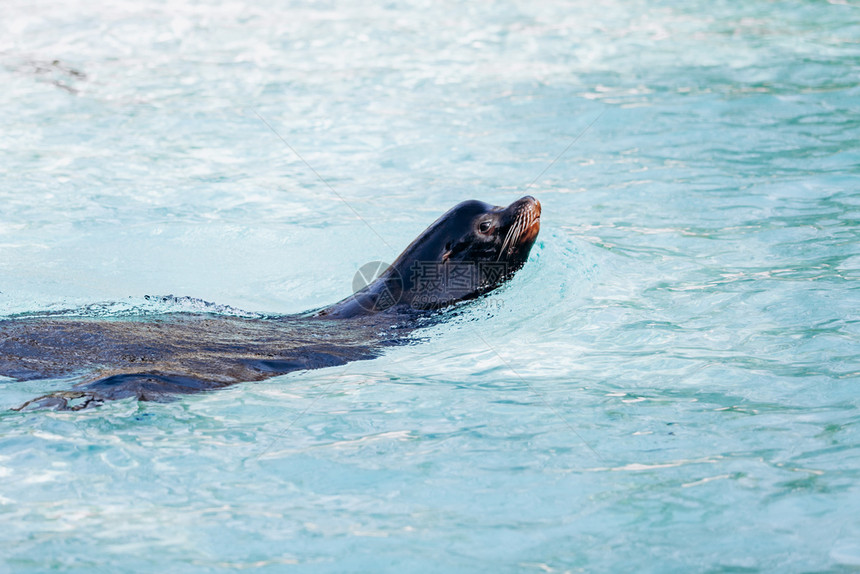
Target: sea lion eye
<point x="485" y="226"/>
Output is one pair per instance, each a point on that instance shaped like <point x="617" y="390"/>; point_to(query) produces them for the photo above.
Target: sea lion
<point x="468" y="251"/>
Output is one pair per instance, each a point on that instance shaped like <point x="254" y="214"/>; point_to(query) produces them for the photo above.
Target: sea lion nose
<point x="531" y="201"/>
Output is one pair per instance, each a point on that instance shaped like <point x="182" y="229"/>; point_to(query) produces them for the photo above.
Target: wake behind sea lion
<point x="468" y="251"/>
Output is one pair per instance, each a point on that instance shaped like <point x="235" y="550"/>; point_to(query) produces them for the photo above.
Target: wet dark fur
<point x="155" y="358"/>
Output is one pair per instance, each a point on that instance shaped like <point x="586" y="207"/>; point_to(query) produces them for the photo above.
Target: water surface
<point x="669" y="385"/>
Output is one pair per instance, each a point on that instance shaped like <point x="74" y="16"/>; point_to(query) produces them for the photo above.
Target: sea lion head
<point x="477" y="232"/>
<point x="470" y="250"/>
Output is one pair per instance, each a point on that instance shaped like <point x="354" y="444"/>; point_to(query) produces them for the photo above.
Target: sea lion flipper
<point x="62" y="401"/>
<point x="156" y="387"/>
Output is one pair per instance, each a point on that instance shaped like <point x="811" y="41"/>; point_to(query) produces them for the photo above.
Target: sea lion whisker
<point x="507" y="241"/>
<point x="519" y="229"/>
<point x="515" y="237"/>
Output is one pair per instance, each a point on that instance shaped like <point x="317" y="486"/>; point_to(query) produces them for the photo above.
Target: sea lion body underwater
<point x="468" y="251"/>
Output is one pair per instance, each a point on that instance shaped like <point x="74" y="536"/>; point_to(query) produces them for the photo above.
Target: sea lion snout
<point x="529" y="202"/>
<point x="521" y="224"/>
<point x="536" y="204"/>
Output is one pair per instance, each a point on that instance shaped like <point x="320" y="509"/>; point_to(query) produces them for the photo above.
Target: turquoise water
<point x="669" y="385"/>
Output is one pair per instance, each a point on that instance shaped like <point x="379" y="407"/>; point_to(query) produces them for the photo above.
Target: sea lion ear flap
<point x="447" y="253"/>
